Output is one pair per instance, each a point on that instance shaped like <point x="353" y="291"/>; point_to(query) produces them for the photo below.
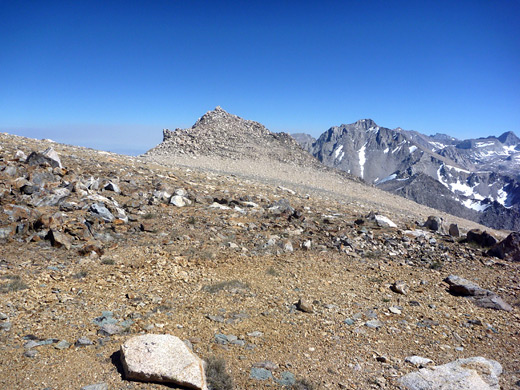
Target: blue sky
<point x="112" y="75"/>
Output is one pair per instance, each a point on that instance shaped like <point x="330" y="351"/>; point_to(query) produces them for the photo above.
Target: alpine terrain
<point x="227" y="257"/>
<point x="477" y="179"/>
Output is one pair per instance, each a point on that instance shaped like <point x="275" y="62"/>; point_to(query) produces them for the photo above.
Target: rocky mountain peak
<point x="509" y="138"/>
<point x="216" y="116"/>
<point x="365" y="124"/>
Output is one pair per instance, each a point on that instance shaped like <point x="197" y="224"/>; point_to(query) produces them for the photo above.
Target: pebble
<point x="304" y="305"/>
<point x="63" y="344"/>
<point x="83" y="341"/>
<point x="394" y="310"/>
<point x="3" y="316"/>
<point x="260" y="374"/>
<point x="97" y="386"/>
<point x="6" y="326"/>
<point x="418" y="360"/>
<point x="31" y="353"/>
<point x="110" y="330"/>
<point x="286" y="379"/>
<point x="374" y="324"/>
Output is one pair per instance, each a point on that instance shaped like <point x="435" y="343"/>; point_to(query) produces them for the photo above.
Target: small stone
<point x="5" y="326"/>
<point x="260" y="374"/>
<point x="59" y="239"/>
<point x="31" y="353"/>
<point x="110" y="186"/>
<point x="374" y="324"/>
<point x="288" y="247"/>
<point x="3" y="316"/>
<point x="418" y="360"/>
<point x="349" y="321"/>
<point x="63" y="344"/>
<point x="286" y="379"/>
<point x="399" y="287"/>
<point x="304" y="305"/>
<point x="256" y="333"/>
<point x="110" y="329"/>
<point x="267" y="364"/>
<point x="97" y="386"/>
<point x="178" y="201"/>
<point x="83" y="342"/>
<point x="221" y="339"/>
<point x="394" y="310"/>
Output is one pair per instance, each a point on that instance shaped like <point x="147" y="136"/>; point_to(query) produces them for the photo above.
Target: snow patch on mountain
<point x="362" y="159"/>
<point x="475" y="205"/>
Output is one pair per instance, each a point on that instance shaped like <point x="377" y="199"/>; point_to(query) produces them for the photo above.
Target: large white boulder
<point x="162" y="358"/>
<point x="475" y="373"/>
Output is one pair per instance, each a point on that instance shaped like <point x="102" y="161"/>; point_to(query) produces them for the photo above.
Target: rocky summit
<point x="115" y="269"/>
<point x="221" y="134"/>
<point x="476" y="179"/>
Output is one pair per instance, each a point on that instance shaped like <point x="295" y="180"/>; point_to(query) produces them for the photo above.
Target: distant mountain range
<point x="477" y="179"/>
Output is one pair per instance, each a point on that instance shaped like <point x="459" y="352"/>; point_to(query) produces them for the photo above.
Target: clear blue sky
<point x="113" y="74"/>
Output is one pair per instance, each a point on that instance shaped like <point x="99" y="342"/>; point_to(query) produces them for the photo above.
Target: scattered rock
<point x="97" y="386"/>
<point x="374" y="324"/>
<point x="508" y="249"/>
<point x="83" y="342"/>
<point x="110" y="329"/>
<point x="433" y="223"/>
<point x="399" y="287"/>
<point x="59" y="239"/>
<point x="179" y="201"/>
<point x="383" y="221"/>
<point x="418" y="361"/>
<point x="476" y="373"/>
<point x="111" y="186"/>
<point x="304" y="305"/>
<point x="162" y="358"/>
<point x="48" y="156"/>
<point x="260" y="374"/>
<point x="481" y="297"/>
<point x="454" y="230"/>
<point x="286" y="379"/>
<point x="101" y="211"/>
<point x="479" y="237"/>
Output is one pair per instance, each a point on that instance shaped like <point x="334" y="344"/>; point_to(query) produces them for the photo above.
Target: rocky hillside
<point x="221" y="134"/>
<point x="291" y="286"/>
<point x="479" y="178"/>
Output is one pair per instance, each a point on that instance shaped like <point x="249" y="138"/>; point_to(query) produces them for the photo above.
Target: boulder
<point x="454" y="230"/>
<point x="162" y="358"/>
<point x="383" y="221"/>
<point x="48" y="156"/>
<point x="111" y="186"/>
<point x="433" y="223"/>
<point x="179" y="201"/>
<point x="59" y="239"/>
<point x="102" y="212"/>
<point x="476" y="373"/>
<point x="481" y="297"/>
<point x="508" y="249"/>
<point x="481" y="238"/>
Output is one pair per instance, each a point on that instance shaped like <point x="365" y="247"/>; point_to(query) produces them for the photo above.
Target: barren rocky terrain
<point x="286" y="272"/>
